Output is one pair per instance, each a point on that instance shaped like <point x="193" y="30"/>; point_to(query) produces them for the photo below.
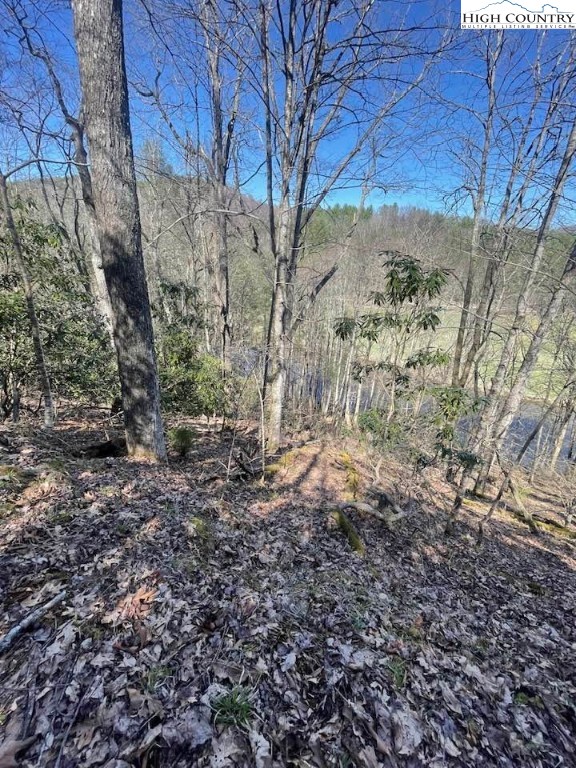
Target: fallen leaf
<point x="10" y="748"/>
<point x="406" y="730"/>
<point x="191" y="729"/>
<point x="368" y="758"/>
<point x="226" y="747"/>
<point x="288" y="662"/>
<point x="261" y="750"/>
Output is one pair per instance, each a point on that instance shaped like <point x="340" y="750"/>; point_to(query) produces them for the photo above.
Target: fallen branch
<point x="385" y="500"/>
<point x="347" y="527"/>
<point x="28" y="621"/>
<point x="522" y="512"/>
<point x="549" y="521"/>
<point x="250" y="466"/>
<point x="368" y="509"/>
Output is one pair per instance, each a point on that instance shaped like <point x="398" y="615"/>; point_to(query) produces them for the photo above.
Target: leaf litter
<point x="218" y="623"/>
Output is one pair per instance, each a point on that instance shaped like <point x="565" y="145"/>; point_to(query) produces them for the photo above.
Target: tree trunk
<point x="498" y="416"/>
<point x="41" y="368"/>
<point x="277" y="342"/>
<point x="98" y="278"/>
<point x="511" y="405"/>
<point x="561" y="436"/>
<point x="100" y="48"/>
<point x="492" y="58"/>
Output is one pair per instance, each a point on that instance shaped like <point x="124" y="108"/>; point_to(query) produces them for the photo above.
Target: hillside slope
<point x="209" y="622"/>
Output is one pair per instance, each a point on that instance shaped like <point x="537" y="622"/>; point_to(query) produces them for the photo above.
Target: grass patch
<point x="14" y="477"/>
<point x="564" y="532"/>
<point x="398" y="671"/>
<point x="285" y="461"/>
<point x="233" y="708"/>
<point x="156" y="677"/>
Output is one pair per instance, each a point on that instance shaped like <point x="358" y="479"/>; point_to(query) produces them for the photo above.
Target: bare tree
<point x="503" y="169"/>
<point x="15" y="241"/>
<point x="35" y="45"/>
<point x="100" y="47"/>
<point x="213" y="82"/>
<point x="477" y="191"/>
<point x="308" y="81"/>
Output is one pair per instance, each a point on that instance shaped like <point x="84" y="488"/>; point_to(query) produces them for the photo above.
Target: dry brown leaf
<point x="407" y="730"/>
<point x="10" y="748"/>
<point x="260" y="749"/>
<point x="368" y="758"/>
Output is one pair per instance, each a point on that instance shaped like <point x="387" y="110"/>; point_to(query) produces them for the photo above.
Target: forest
<point x="287" y="386"/>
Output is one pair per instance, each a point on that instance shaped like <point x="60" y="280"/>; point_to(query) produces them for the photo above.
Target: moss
<point x="58" y="466"/>
<point x="346" y="526"/>
<point x="201" y="531"/>
<point x="526" y="519"/>
<point x="555" y="530"/>
<point x="123" y="528"/>
<point x="109" y="491"/>
<point x="200" y="528"/>
<point x="415" y="633"/>
<point x="352" y="474"/>
<point x="285" y="461"/>
<point x="479" y="506"/>
<point x="92" y="631"/>
<point x="483" y="644"/>
<point x="6" y="509"/>
<point x="523" y="699"/>
<point x="359" y="622"/>
<point x="61" y="516"/>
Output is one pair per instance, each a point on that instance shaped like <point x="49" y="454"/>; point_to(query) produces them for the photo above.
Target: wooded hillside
<point x="287" y="386"/>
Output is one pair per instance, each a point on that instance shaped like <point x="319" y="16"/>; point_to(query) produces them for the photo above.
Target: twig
<point x="8" y="640"/>
<point x="68" y="729"/>
<point x="508" y="481"/>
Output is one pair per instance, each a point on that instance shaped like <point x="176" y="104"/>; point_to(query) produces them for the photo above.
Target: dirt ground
<point x="211" y="619"/>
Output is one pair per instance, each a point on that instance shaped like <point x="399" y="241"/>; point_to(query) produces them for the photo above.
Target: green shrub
<point x="191" y="383"/>
<point x="182" y="439"/>
<point x="79" y="357"/>
<point x="372" y="421"/>
<point x="384" y="434"/>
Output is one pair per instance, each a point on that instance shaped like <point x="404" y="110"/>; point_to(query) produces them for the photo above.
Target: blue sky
<point x="427" y="138"/>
